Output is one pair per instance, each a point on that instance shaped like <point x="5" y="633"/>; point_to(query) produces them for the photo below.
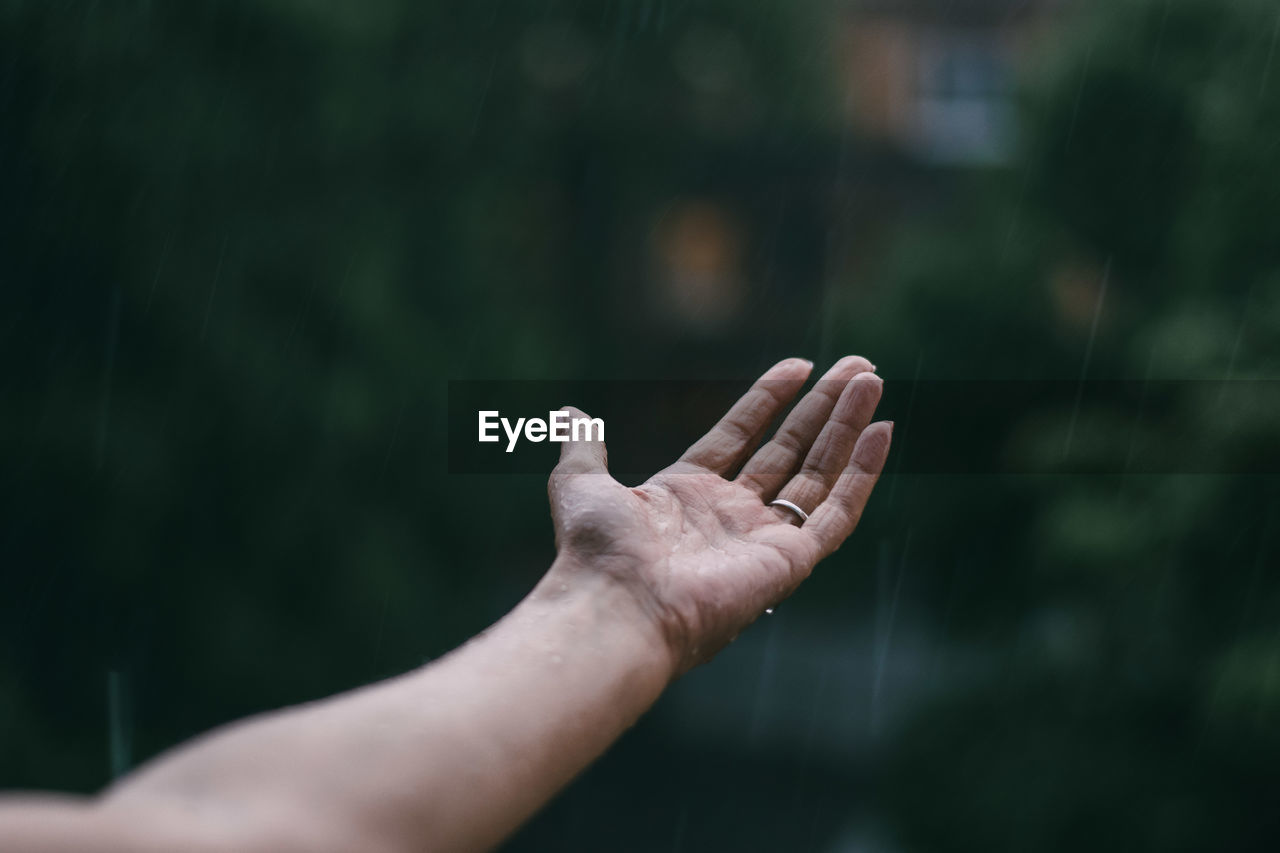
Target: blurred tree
<point x="243" y="245"/>
<point x="1130" y="620"/>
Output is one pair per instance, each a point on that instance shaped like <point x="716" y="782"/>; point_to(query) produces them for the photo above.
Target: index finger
<point x="723" y="448"/>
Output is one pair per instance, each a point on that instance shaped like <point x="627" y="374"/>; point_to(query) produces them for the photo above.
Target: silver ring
<point x="804" y="516"/>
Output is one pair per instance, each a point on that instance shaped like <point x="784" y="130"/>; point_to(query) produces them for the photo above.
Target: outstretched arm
<point x="454" y="756"/>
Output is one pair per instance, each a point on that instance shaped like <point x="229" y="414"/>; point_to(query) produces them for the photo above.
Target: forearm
<point x="453" y="756"/>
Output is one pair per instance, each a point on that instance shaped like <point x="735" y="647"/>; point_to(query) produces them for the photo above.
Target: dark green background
<point x="245" y="245"/>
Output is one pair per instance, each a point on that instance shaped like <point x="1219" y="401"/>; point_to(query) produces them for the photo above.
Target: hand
<point x="702" y="554"/>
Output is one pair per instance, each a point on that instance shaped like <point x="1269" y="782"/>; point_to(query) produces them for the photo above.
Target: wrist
<point x="609" y="601"/>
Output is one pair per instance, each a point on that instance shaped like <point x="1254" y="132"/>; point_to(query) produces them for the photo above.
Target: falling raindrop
<point x="119" y="733"/>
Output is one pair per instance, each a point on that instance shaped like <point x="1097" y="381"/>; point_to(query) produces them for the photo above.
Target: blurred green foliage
<point x="1133" y="702"/>
<point x="243" y="245"/>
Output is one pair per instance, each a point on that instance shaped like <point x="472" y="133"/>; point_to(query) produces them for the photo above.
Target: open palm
<point x="705" y="554"/>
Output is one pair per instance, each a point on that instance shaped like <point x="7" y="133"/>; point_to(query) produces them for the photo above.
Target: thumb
<point x="584" y="452"/>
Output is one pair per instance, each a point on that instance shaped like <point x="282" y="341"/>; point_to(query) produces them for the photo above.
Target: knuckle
<point x="789" y="441"/>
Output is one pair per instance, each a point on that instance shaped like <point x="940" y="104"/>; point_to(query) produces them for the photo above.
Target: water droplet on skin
<point x="768" y="611"/>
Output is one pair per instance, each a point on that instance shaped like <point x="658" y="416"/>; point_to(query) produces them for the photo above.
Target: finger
<point x="774" y="464"/>
<point x="739" y="431"/>
<point x="831" y="450"/>
<point x="832" y="522"/>
<point x="584" y="452"/>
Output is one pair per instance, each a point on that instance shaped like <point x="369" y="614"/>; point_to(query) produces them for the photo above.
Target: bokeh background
<point x="244" y="246"/>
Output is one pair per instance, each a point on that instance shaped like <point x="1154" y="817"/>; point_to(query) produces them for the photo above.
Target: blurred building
<point x="768" y="235"/>
<point x="935" y="77"/>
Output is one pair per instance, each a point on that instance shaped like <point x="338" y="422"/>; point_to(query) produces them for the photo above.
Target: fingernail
<point x="890" y="423"/>
<point x="807" y="361"/>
